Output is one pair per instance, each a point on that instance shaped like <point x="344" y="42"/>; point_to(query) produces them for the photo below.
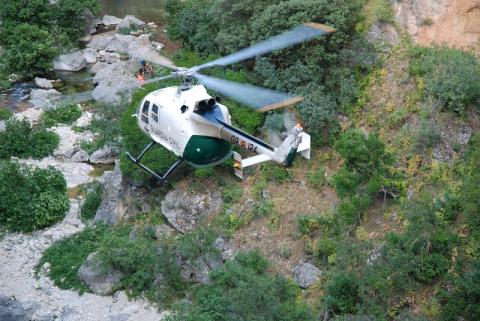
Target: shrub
<point x="34" y="32"/>
<point x="243" y="290"/>
<point x="61" y="115"/>
<point x="342" y="294"/>
<point x="310" y="224"/>
<point x="5" y="114"/>
<point x="39" y="197"/>
<point x="451" y="75"/>
<point x="67" y="255"/>
<point x="326" y="247"/>
<point x="428" y="134"/>
<point x="316" y="178"/>
<point x="92" y="201"/>
<point x="21" y="140"/>
<point x="464" y="300"/>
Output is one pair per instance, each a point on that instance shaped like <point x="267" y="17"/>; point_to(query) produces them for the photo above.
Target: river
<point x="146" y="10"/>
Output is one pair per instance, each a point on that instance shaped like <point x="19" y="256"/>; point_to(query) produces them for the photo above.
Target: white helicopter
<point x="197" y="128"/>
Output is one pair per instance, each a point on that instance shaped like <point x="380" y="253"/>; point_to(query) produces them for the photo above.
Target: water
<point x="146" y="10"/>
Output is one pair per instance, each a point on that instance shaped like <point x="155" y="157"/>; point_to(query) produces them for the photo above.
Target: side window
<point x="155" y="113"/>
<point x="145" y="111"/>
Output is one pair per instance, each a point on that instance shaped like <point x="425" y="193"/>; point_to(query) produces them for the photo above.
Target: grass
<point x="92" y="202"/>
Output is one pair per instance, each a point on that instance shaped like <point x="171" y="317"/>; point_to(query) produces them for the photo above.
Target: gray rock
<point x="305" y="274"/>
<point x="111" y="209"/>
<point x="42" y="98"/>
<point x="105" y="155"/>
<point x="96" y="68"/>
<point x="43" y="83"/>
<point x="3" y="126"/>
<point x="226" y="251"/>
<point x="110" y="20"/>
<point x="183" y="209"/>
<point x="129" y="21"/>
<point x="90" y="55"/>
<point x="12" y="310"/>
<point x="70" y="62"/>
<point x="80" y="156"/>
<point x="99" y="281"/>
<point x="375" y="255"/>
<point x="114" y="80"/>
<point x="109" y="57"/>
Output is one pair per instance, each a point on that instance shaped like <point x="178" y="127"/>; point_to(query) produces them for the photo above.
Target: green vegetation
<point x="243" y="290"/>
<point x="5" y="114"/>
<point x="31" y="199"/>
<point x="451" y="76"/>
<point x="67" y="255"/>
<point x="34" y="32"/>
<point x="23" y="141"/>
<point x="367" y="171"/>
<point x="92" y="202"/>
<point x="62" y="115"/>
<point x="313" y="69"/>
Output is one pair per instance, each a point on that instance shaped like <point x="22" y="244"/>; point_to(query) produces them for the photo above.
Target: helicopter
<point x="196" y="127"/>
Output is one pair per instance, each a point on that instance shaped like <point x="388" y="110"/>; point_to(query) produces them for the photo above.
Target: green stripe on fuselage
<point x="202" y="151"/>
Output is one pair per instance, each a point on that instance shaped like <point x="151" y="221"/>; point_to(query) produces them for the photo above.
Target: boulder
<point x="90" y="55"/>
<point x="3" y="126"/>
<point x="98" y="280"/>
<point x="183" y="209"/>
<point x="130" y="21"/>
<point x="114" y="80"/>
<point x="110" y="20"/>
<point x="70" y="62"/>
<point x="43" y="98"/>
<point x="96" y="68"/>
<point x="305" y="274"/>
<point x="105" y="155"/>
<point x="12" y="310"/>
<point x="111" y="209"/>
<point x="43" y="83"/>
<point x="198" y="269"/>
<point x="80" y="156"/>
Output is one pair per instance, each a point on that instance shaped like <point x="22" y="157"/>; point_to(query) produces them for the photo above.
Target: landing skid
<point x="160" y="178"/>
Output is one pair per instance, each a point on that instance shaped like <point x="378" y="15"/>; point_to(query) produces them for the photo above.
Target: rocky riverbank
<point x="113" y="59"/>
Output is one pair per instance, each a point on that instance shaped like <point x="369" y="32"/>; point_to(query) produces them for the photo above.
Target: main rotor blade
<point x="149" y="81"/>
<point x="258" y="98"/>
<point x="289" y="38"/>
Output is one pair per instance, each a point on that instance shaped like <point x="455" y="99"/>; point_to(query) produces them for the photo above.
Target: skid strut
<point x="160" y="178"/>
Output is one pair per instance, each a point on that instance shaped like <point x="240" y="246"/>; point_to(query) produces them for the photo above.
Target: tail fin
<point x="296" y="141"/>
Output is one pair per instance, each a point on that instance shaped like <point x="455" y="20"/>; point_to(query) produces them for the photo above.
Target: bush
<point x="21" y="140"/>
<point x="31" y="199"/>
<point x="61" y="115"/>
<point x="34" y="32"/>
<point x="310" y="224"/>
<point x="464" y="301"/>
<point x="92" y="201"/>
<point x="428" y="134"/>
<point x="5" y="114"/>
<point x="67" y="255"/>
<point x="316" y="178"/>
<point x="243" y="290"/>
<point x="342" y="294"/>
<point x="451" y="75"/>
